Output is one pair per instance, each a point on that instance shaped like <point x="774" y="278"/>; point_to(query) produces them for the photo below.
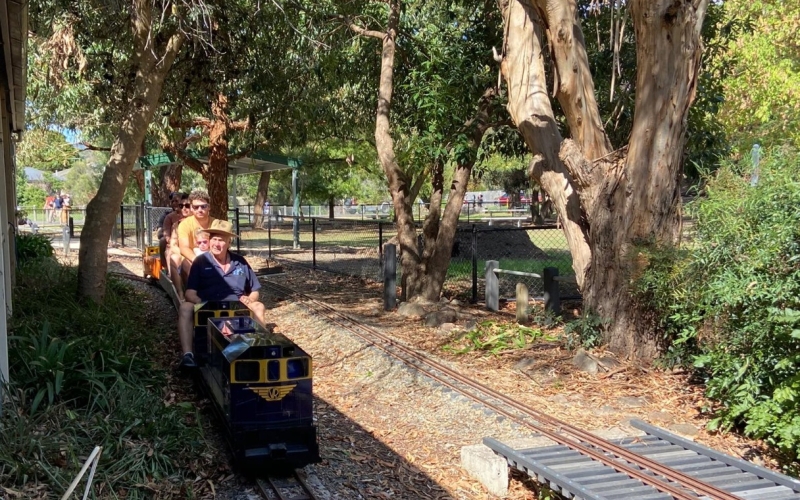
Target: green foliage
<point x="495" y="337"/>
<point x="762" y="61"/>
<point x="28" y="195"/>
<point x="730" y="303"/>
<point x="46" y="150"/>
<point x="83" y="375"/>
<point x="32" y="246"/>
<point x="586" y="331"/>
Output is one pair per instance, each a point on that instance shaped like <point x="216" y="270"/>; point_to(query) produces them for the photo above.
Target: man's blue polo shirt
<point x="210" y="283"/>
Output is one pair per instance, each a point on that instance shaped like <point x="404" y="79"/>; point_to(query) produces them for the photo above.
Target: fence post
<point x="65" y="235"/>
<point x="139" y="214"/>
<point x="474" y="264"/>
<point x="148" y="225"/>
<point x="238" y="231"/>
<point x="552" y="299"/>
<point x="269" y="240"/>
<point x="313" y="243"/>
<point x="492" y="286"/>
<point x="380" y="241"/>
<point x="390" y="278"/>
<point x="71" y="227"/>
<point x="122" y="225"/>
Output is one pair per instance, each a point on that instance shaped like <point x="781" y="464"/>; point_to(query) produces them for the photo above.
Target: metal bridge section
<point x="575" y="475"/>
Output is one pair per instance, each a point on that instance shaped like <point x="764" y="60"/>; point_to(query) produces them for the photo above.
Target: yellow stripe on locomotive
<point x="219" y="310"/>
<point x="262" y="371"/>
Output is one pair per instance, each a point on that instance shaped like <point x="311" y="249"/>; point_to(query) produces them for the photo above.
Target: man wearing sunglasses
<point x="199" y="202"/>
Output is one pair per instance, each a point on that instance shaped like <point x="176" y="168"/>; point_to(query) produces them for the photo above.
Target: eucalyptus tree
<point x="437" y="97"/>
<point x="105" y="65"/>
<point x="613" y="203"/>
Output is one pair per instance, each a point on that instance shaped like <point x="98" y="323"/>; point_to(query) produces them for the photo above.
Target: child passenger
<point x="202" y="239"/>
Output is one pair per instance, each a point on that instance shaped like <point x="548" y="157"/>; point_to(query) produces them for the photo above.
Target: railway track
<point x="293" y="487"/>
<point x="667" y="482"/>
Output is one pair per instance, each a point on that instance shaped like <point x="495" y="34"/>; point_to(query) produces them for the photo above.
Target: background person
<point x="173" y="262"/>
<point x="217" y="275"/>
<point x="48" y="208"/>
<point x="58" y="204"/>
<point x="177" y="202"/>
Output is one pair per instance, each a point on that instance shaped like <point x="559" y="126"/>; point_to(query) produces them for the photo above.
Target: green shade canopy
<point x="255" y="162"/>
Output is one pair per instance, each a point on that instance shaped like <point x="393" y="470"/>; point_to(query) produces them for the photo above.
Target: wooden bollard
<point x="522" y="303"/>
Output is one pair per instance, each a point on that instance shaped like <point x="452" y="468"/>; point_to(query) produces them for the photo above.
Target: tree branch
<point x="361" y="31"/>
<point x="187" y="160"/>
<point x="240" y="125"/>
<point x="92" y="147"/>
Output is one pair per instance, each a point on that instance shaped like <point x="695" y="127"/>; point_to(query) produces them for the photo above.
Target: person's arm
<point x="167" y="226"/>
<point x="191" y="296"/>
<point x="184" y="244"/>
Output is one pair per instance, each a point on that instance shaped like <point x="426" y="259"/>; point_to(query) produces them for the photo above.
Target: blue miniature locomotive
<point x="261" y="385"/>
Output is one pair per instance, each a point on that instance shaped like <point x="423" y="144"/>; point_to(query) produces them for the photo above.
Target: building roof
<point x="34" y="174"/>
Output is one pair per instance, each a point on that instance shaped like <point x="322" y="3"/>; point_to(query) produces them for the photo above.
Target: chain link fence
<point x="355" y="248"/>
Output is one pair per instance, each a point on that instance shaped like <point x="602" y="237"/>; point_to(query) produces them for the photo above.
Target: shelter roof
<point x="257" y="161"/>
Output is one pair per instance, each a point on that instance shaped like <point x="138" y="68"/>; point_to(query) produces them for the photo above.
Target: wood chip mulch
<point x="386" y="432"/>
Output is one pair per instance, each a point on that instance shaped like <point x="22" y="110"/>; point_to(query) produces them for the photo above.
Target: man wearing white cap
<point x="217" y="275"/>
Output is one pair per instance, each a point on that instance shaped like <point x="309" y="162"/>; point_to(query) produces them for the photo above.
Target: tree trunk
<point x="643" y="208"/>
<point x="169" y="182"/>
<point x="138" y="178"/>
<point x="216" y="174"/>
<point x="609" y="206"/>
<point x="399" y="184"/>
<point x="530" y="108"/>
<point x="151" y="70"/>
<point x="262" y="195"/>
<point x="331" y="208"/>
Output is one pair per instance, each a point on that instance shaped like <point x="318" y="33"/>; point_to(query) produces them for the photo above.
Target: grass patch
<point x="83" y="375"/>
<point x="494" y="337"/>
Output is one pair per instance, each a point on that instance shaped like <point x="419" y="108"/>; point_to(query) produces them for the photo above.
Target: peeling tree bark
<point x="152" y="63"/>
<point x="609" y="206"/>
<point x="215" y="171"/>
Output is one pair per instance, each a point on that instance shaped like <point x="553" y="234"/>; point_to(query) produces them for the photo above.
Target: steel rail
<point x="698" y="486"/>
<point x="271" y="484"/>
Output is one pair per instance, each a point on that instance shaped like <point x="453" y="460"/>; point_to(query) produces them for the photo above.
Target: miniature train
<point x="260" y="382"/>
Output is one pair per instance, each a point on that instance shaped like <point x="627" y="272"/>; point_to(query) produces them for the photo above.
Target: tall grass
<point x="83" y="375"/>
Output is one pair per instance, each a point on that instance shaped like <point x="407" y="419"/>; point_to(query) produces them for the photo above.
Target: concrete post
<point x="65" y="239"/>
<point x="390" y="277"/>
<point x="492" y="286"/>
<point x="522" y="303"/>
<point x="552" y="297"/>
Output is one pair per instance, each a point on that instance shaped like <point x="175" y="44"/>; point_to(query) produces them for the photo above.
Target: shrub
<point x="33" y="246"/>
<point x="730" y="302"/>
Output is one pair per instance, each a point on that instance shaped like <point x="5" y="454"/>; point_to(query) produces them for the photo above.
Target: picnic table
<point x="518" y="219"/>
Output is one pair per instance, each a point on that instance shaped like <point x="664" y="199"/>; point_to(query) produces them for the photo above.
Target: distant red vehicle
<point x="504" y="199"/>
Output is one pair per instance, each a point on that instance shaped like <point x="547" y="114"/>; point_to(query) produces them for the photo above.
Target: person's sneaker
<point x="188" y="361"/>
